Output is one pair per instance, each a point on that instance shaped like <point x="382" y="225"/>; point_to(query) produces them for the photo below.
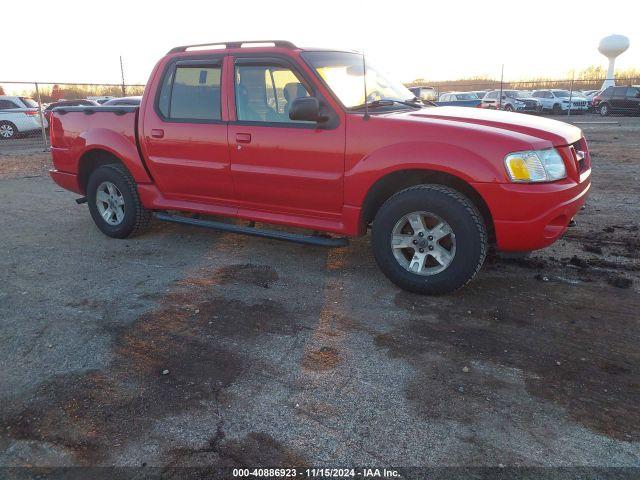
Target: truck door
<point x="185" y="132"/>
<point x="279" y="165"/>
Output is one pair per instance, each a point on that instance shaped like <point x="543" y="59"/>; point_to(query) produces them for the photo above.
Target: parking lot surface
<point x="190" y="347"/>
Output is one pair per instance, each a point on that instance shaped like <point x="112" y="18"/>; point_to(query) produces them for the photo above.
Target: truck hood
<point x="558" y="133"/>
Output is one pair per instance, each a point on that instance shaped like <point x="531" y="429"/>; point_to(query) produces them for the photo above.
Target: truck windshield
<point x="343" y="72"/>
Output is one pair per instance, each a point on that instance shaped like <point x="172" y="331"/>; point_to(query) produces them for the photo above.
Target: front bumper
<point x="532" y="216"/>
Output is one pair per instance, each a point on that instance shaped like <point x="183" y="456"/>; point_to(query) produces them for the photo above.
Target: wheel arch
<point x="390" y="184"/>
<point x="93" y="159"/>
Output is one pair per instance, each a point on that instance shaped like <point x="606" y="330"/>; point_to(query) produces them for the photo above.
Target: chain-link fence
<point x="603" y="98"/>
<point x="25" y="108"/>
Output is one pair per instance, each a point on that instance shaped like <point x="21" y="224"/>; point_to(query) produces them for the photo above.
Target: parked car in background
<point x="101" y="98"/>
<point x="591" y="95"/>
<point x="18" y="115"/>
<point x="424" y="93"/>
<point x="512" y="101"/>
<point x="559" y="101"/>
<point x="618" y="100"/>
<point x="123" y="101"/>
<point x="458" y="99"/>
<point x="480" y="93"/>
<point x="68" y="103"/>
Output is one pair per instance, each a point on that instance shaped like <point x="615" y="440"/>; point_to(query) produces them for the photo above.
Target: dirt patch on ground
<point x="325" y="358"/>
<point x="562" y="351"/>
<point x="256" y="448"/>
<point x="15" y="166"/>
<point x="249" y="274"/>
<point x="172" y="359"/>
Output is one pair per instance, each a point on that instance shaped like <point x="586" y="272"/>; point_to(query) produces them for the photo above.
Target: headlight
<point x="535" y="166"/>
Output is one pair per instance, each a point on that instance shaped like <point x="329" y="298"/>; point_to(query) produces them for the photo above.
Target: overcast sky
<point x="80" y="41"/>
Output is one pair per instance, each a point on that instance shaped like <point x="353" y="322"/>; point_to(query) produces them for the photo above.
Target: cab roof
<point x="247" y="44"/>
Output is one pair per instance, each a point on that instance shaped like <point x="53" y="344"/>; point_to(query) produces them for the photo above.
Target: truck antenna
<point x="364" y="77"/>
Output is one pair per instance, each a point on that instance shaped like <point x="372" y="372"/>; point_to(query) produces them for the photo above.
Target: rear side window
<point x="191" y="93"/>
<point x="633" y="92"/>
<point x="29" y="102"/>
<point x="6" y="104"/>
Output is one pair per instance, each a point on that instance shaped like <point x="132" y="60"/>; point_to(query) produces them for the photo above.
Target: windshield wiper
<point x="386" y="102"/>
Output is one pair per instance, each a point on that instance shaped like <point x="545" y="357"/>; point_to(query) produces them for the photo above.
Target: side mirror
<point x="306" y="109"/>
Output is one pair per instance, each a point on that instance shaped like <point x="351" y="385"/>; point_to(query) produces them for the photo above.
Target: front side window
<point x="343" y="72"/>
<point x="264" y="93"/>
<point x="191" y="93"/>
<point x="633" y="92"/>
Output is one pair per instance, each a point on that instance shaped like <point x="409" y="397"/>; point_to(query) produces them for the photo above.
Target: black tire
<point x="451" y="206"/>
<point x="136" y="217"/>
<point x="604" y="109"/>
<point x="508" y="108"/>
<point x="557" y="109"/>
<point x="9" y="130"/>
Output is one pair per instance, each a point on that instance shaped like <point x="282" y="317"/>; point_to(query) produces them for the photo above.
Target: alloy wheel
<point x="110" y="203"/>
<point x="423" y="243"/>
<point x="6" y="131"/>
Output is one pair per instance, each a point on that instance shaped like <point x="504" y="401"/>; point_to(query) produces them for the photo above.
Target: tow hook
<point x="572" y="223"/>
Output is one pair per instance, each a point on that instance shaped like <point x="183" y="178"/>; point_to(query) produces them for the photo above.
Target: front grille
<point x="581" y="154"/>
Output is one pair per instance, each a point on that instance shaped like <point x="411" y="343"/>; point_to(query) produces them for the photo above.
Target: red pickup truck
<point x="318" y="139"/>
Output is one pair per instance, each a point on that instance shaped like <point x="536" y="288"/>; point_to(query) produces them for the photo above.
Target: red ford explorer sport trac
<point x="321" y="140"/>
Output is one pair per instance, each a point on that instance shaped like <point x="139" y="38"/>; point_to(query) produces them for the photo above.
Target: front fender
<point x="422" y="155"/>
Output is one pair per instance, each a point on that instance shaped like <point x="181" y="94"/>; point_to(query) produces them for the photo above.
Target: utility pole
<point x="573" y="79"/>
<point x="124" y="93"/>
<point x="44" y="133"/>
<point x="501" y="82"/>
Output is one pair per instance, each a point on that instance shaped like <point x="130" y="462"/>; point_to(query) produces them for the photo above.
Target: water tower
<point x="611" y="47"/>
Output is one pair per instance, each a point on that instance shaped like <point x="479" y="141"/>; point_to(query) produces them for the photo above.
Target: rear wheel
<point x="7" y="130"/>
<point x="114" y="203"/>
<point x="429" y="239"/>
<point x="605" y="110"/>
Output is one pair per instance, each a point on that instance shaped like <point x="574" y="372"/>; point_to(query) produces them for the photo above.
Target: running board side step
<point x="255" y="232"/>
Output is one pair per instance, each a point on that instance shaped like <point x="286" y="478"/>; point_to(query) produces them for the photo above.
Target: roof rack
<point x="237" y="44"/>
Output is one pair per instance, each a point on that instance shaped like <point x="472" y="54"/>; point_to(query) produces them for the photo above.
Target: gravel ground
<point x="187" y="347"/>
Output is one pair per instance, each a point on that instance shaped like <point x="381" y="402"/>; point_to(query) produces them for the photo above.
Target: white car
<point x="19" y="115"/>
<point x="558" y="101"/>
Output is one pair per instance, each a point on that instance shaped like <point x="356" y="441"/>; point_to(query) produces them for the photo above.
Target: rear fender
<point x="120" y="146"/>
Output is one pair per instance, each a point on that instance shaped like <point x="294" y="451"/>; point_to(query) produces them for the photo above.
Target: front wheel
<point x="429" y="239"/>
<point x="557" y="109"/>
<point x="114" y="203"/>
<point x="604" y="110"/>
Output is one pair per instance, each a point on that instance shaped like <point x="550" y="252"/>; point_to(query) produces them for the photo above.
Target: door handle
<point x="157" y="133"/>
<point x="243" y="137"/>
